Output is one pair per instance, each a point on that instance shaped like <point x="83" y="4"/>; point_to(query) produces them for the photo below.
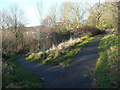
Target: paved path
<point x="78" y="75"/>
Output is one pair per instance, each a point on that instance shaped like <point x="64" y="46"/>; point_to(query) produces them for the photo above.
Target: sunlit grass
<point x="107" y="66"/>
<point x="63" y="54"/>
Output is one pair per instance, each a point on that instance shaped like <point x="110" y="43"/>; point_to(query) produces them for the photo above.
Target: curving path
<point x="78" y="75"/>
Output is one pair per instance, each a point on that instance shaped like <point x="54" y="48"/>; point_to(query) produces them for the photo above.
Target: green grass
<point x="61" y="57"/>
<point x="106" y="71"/>
<point x="15" y="76"/>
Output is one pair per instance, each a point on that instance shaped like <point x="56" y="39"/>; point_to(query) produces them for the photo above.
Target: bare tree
<point x="4" y="19"/>
<point x="40" y="17"/>
<point x="4" y="26"/>
<point x="101" y="12"/>
<point x="65" y="14"/>
<point x="53" y="14"/>
<point x="17" y="22"/>
<point x="79" y="12"/>
<point x="73" y="13"/>
<point x="47" y="21"/>
<point x="51" y="18"/>
<point x="111" y="12"/>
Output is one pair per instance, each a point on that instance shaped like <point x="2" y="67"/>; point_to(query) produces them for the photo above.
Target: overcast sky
<point x="30" y="7"/>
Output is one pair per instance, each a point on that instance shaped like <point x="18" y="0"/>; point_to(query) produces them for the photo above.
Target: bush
<point x="55" y="36"/>
<point x="87" y="29"/>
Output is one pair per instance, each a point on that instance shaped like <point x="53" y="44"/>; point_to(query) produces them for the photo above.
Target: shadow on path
<point x="78" y="75"/>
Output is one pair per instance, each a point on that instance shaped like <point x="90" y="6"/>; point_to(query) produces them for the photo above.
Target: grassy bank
<point x="107" y="72"/>
<point x="15" y="76"/>
<point x="63" y="54"/>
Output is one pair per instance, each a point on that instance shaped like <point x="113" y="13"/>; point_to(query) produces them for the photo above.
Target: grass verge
<point x="106" y="71"/>
<point x="15" y="76"/>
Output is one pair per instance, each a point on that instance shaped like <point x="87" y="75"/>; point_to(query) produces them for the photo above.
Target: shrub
<point x="87" y="29"/>
<point x="56" y="34"/>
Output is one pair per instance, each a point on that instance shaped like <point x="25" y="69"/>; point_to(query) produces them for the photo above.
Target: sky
<point x="30" y="7"/>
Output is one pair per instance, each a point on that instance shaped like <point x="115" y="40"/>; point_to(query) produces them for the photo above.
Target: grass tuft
<point x="63" y="54"/>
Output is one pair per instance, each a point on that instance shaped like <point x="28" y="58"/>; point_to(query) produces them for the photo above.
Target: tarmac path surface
<point x="79" y="74"/>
